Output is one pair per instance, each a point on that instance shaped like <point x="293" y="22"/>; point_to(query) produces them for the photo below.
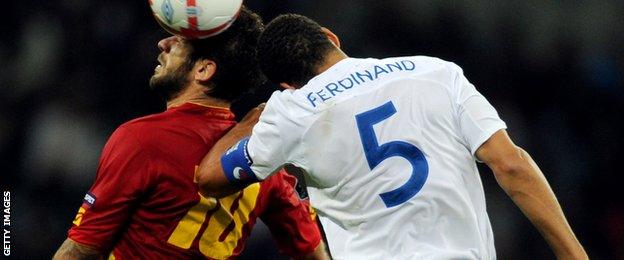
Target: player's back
<point x="389" y="147"/>
<point x="145" y="204"/>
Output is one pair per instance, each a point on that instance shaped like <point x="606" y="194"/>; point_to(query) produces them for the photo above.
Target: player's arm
<point x="320" y="253"/>
<point x="522" y="180"/>
<point x="122" y="178"/>
<point x="211" y="176"/>
<point x="71" y="250"/>
<point x="291" y="220"/>
<point x="484" y="135"/>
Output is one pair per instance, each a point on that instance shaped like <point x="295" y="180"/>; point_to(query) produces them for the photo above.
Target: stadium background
<point x="71" y="71"/>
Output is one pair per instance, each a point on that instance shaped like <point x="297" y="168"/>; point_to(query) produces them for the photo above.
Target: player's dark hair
<point x="291" y="49"/>
<point x="235" y="53"/>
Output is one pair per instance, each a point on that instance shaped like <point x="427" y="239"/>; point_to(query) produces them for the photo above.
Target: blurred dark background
<point x="71" y="71"/>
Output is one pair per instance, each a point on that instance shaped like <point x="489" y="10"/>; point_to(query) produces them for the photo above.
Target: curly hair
<point x="291" y="49"/>
<point x="235" y="53"/>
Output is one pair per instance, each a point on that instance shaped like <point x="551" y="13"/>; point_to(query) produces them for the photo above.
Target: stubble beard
<point x="170" y="84"/>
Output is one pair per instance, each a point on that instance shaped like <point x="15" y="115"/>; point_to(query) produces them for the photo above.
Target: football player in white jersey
<point x="389" y="147"/>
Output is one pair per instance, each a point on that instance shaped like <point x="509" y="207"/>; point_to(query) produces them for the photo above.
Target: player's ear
<point x="331" y="36"/>
<point x="204" y="70"/>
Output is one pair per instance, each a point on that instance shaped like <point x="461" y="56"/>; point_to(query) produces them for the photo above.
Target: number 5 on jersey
<point x="376" y="153"/>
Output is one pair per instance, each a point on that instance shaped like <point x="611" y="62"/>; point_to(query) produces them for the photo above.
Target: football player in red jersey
<point x="145" y="203"/>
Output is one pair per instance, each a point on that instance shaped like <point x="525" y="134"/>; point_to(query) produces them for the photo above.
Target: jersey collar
<point x="209" y="111"/>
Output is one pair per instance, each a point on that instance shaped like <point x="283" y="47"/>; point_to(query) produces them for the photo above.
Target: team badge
<point x="89" y="199"/>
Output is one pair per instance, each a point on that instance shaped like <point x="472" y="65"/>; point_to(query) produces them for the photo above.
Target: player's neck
<point x="196" y="95"/>
<point x="331" y="59"/>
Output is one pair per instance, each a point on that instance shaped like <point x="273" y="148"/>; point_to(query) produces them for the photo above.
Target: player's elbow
<point x="206" y="183"/>
<point x="211" y="186"/>
<point x="207" y="188"/>
<point x="211" y="192"/>
<point x="71" y="250"/>
<point x="511" y="165"/>
<point x="516" y="173"/>
<point x="204" y="189"/>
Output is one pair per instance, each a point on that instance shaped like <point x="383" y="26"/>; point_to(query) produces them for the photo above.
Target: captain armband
<point x="236" y="164"/>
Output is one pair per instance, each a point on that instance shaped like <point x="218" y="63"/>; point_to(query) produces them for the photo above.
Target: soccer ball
<point x="195" y="19"/>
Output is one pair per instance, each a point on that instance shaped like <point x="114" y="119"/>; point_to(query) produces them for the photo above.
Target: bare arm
<point x="71" y="250"/>
<point x="523" y="181"/>
<point x="210" y="177"/>
<point x="318" y="254"/>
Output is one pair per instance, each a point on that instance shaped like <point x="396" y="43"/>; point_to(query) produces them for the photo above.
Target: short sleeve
<point x="478" y="119"/>
<point x="122" y="177"/>
<point x="271" y="144"/>
<point x="291" y="220"/>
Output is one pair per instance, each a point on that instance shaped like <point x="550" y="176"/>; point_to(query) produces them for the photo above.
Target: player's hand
<point x="253" y="115"/>
<point x="244" y="127"/>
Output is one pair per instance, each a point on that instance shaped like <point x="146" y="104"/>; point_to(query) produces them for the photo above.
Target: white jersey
<point x="388" y="146"/>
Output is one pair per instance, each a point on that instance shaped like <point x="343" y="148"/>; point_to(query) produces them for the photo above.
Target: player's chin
<point x="159" y="74"/>
<point x="155" y="80"/>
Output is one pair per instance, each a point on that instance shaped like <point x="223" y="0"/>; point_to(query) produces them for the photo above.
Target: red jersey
<point x="144" y="202"/>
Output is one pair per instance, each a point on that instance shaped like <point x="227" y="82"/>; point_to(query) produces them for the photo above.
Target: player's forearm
<point x="318" y="254"/>
<point x="523" y="181"/>
<point x="210" y="176"/>
<point x="210" y="171"/>
<point x="71" y="250"/>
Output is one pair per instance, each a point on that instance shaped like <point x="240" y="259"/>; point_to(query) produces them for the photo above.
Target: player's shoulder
<point x="284" y="106"/>
<point x="141" y="124"/>
<point x="432" y="68"/>
<point x="143" y="129"/>
<point x="419" y="59"/>
<point x="124" y="141"/>
<point x="424" y="62"/>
